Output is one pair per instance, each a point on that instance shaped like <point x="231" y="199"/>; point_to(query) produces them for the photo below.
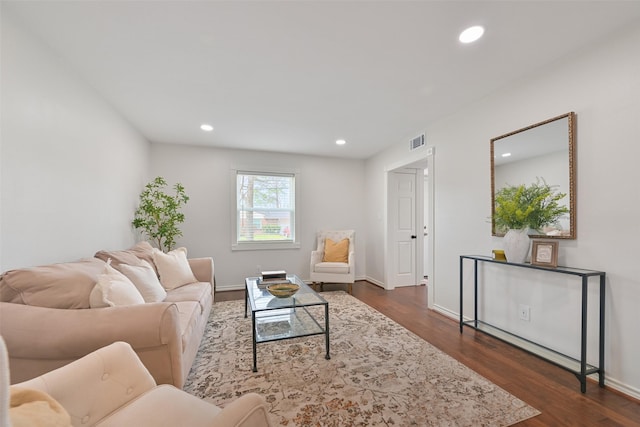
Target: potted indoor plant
<point x="520" y="208"/>
<point x="159" y="213"/>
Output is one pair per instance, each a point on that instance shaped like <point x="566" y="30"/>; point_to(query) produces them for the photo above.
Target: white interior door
<point x="402" y="218"/>
<point x="403" y="259"/>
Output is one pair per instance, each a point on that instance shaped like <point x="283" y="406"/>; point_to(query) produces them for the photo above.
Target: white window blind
<point x="265" y="207"/>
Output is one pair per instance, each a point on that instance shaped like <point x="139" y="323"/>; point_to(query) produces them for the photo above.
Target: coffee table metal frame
<point x="288" y="317"/>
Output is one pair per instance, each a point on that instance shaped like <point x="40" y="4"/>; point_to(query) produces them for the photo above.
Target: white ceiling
<point x="294" y="76"/>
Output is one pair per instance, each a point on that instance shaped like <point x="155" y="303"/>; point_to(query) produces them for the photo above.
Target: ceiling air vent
<point x="416" y="142"/>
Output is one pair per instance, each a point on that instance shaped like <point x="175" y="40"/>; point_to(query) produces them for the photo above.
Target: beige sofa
<point x="110" y="387"/>
<point x="47" y="321"/>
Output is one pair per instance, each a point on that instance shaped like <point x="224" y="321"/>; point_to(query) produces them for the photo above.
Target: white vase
<point x="516" y="245"/>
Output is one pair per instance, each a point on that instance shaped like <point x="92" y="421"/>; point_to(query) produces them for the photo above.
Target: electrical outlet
<point x="524" y="312"/>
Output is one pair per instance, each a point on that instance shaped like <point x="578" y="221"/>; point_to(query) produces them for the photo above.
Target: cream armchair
<point x="111" y="387"/>
<point x="327" y="271"/>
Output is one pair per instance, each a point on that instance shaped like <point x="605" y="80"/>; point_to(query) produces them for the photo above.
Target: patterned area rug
<point x="379" y="374"/>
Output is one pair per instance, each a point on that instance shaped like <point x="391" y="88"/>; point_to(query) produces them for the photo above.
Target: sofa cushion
<point x="64" y="285"/>
<point x="114" y="289"/>
<point x="145" y="279"/>
<point x="184" y="409"/>
<point x="198" y="291"/>
<point x="173" y="268"/>
<point x="131" y="256"/>
<point x="118" y="257"/>
<point x="331" y="267"/>
<point x="336" y="252"/>
<point x="144" y="250"/>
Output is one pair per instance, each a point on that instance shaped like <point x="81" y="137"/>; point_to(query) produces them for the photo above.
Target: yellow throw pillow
<point x="336" y="252"/>
<point x="34" y="408"/>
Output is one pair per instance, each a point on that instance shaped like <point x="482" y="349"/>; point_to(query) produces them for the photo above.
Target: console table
<point x="579" y="367"/>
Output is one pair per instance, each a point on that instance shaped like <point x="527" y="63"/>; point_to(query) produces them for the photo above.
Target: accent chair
<point x="333" y="261"/>
<point x="111" y="387"/>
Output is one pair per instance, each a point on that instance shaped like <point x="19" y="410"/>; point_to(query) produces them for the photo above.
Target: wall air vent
<point x="416" y="142"/>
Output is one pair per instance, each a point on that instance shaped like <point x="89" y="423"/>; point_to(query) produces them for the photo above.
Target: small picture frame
<point x="544" y="253"/>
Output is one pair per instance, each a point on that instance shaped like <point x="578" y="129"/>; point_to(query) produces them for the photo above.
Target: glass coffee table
<point x="275" y="319"/>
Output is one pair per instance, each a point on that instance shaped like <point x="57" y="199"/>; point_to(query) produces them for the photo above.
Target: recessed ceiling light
<point x="341" y="142"/>
<point x="471" y="34"/>
<point x="506" y="155"/>
<point x="205" y="127"/>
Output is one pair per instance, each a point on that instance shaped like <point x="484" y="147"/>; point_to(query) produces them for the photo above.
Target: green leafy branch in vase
<point x="158" y="214"/>
<point x="534" y="206"/>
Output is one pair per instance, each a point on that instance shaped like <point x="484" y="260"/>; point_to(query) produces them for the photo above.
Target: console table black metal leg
<point x="246" y="299"/>
<point x="601" y="348"/>
<point x="583" y="339"/>
<point x="461" y="299"/>
<point x="461" y="292"/>
<point x="475" y="293"/>
<point x="255" y="356"/>
<point x="326" y="330"/>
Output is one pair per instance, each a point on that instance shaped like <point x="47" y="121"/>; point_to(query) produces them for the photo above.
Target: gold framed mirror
<point x="546" y="151"/>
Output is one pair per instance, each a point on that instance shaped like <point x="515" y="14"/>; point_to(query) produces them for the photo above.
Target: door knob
<point x="413" y="236"/>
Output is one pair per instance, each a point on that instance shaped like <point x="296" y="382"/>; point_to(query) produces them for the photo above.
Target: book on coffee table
<point x="272" y="278"/>
<point x="275" y="274"/>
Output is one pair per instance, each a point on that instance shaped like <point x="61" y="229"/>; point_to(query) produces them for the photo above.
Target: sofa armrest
<point x="250" y="410"/>
<point x="204" y="270"/>
<point x="97" y="384"/>
<point x="40" y="339"/>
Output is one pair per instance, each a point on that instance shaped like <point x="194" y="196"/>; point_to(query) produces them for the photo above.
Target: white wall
<point x="331" y="197"/>
<point x="602" y="86"/>
<point x="71" y="167"/>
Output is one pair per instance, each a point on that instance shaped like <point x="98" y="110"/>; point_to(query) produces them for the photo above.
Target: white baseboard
<point x="374" y="281"/>
<point x="232" y="287"/>
<point x="621" y="387"/>
<point x="445" y="311"/>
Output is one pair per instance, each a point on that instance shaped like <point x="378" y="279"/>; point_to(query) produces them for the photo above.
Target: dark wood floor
<point x="553" y="391"/>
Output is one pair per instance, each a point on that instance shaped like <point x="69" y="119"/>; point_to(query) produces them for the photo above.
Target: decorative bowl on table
<point x="283" y="290"/>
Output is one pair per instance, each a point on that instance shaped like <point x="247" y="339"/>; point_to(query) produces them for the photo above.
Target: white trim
<point x="431" y="228"/>
<point x="415" y="156"/>
<point x="425" y="153"/>
<point x="263" y="246"/>
<point x="232" y="287"/>
<point x="446" y="312"/>
<point x="621" y="387"/>
<point x="374" y="281"/>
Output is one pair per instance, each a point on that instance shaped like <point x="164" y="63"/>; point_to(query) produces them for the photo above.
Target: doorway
<point x="409" y="222"/>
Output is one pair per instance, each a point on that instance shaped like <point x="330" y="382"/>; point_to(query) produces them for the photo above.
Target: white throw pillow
<point x="114" y="289"/>
<point x="145" y="280"/>
<point x="173" y="268"/>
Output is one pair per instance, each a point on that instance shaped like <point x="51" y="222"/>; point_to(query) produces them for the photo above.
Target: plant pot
<point x="516" y="245"/>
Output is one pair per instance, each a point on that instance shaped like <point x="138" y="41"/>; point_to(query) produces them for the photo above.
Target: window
<point x="265" y="214"/>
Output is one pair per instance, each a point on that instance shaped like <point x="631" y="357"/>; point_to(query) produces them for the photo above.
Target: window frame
<point x="237" y="245"/>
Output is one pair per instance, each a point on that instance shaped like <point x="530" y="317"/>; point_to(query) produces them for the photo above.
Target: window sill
<point x="258" y="246"/>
